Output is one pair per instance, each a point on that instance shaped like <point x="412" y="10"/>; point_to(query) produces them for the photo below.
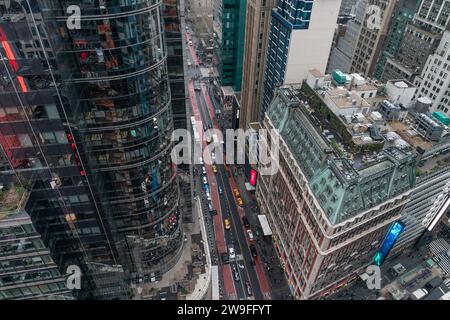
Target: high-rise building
<point x="174" y="25"/>
<point x="255" y="52"/>
<point x="346" y="7"/>
<point x="434" y="82"/>
<point x="428" y="189"/>
<point x="345" y="41"/>
<point x="229" y="34"/>
<point x="403" y="14"/>
<point x="27" y="271"/>
<point x="420" y="39"/>
<point x="339" y="188"/>
<point x="86" y="118"/>
<point x="301" y="33"/>
<point x="372" y="34"/>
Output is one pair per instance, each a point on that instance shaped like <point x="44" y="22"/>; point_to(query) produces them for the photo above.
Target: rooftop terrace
<point x="346" y="178"/>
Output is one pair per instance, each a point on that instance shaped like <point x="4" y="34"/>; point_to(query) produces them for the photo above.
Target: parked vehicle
<point x="214" y="167"/>
<point x="245" y="222"/>
<point x="236" y="274"/>
<point x="253" y="250"/>
<point x="231" y="253"/>
<point x="227" y="224"/>
<point x="205" y="180"/>
<point x="240" y="202"/>
<point x="249" y="288"/>
<point x="250" y="235"/>
<point x="220" y="190"/>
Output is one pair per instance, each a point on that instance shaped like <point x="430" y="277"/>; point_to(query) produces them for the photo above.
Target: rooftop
<point x="347" y="178"/>
<point x="401" y="83"/>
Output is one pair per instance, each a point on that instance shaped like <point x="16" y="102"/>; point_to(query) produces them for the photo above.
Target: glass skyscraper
<point x="86" y="122"/>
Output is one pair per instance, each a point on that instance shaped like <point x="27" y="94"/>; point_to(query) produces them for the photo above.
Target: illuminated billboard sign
<point x="253" y="175"/>
<point x="394" y="232"/>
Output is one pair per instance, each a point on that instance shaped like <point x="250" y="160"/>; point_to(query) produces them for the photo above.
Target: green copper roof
<point x="342" y="189"/>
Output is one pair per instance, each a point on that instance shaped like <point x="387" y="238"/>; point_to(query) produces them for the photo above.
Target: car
<point x="214" y="168"/>
<point x="236" y="193"/>
<point x="187" y="28"/>
<point x="208" y="196"/>
<point x="231" y="253"/>
<point x="197" y="88"/>
<point x="250" y="235"/>
<point x="210" y="207"/>
<point x="190" y="42"/>
<point x="205" y="180"/>
<point x="236" y="274"/>
<point x="225" y="258"/>
<point x="253" y="250"/>
<point x="246" y="222"/>
<point x="213" y="212"/>
<point x="205" y="127"/>
<point x="220" y="190"/>
<point x="203" y="170"/>
<point x="249" y="288"/>
<point x="213" y="156"/>
<point x="240" y="201"/>
<point x="200" y="160"/>
<point x="227" y="224"/>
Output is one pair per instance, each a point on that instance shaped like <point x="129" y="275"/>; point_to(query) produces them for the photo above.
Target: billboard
<point x="392" y="235"/>
<point x="253" y="176"/>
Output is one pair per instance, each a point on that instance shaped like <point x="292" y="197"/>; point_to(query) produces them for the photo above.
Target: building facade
<point x="403" y="14"/>
<point x="372" y="35"/>
<point x="174" y="24"/>
<point x="329" y="214"/>
<point x="87" y="120"/>
<point x="434" y="82"/>
<point x="428" y="188"/>
<point x="420" y="39"/>
<point x="229" y="34"/>
<point x="255" y="54"/>
<point x="27" y="271"/>
<point x="344" y="46"/>
<point x="301" y="33"/>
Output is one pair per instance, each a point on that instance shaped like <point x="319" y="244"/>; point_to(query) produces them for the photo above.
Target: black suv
<point x="246" y="222"/>
<point x="253" y="250"/>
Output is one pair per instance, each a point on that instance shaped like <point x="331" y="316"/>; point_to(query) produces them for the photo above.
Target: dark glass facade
<point x="86" y="119"/>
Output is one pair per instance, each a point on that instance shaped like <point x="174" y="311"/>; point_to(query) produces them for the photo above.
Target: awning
<point x="264" y="225"/>
<point x="249" y="187"/>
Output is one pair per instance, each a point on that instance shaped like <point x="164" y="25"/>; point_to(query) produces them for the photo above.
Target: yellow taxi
<point x="214" y="168"/>
<point x="236" y="193"/>
<point x="227" y="224"/>
<point x="240" y="201"/>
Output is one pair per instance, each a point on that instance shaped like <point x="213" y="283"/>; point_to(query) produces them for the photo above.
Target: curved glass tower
<point x="105" y="75"/>
<point x="124" y="118"/>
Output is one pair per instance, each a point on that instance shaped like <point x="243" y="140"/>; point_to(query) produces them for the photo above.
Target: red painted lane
<point x="228" y="282"/>
<point x="261" y="273"/>
<point x="192" y="50"/>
